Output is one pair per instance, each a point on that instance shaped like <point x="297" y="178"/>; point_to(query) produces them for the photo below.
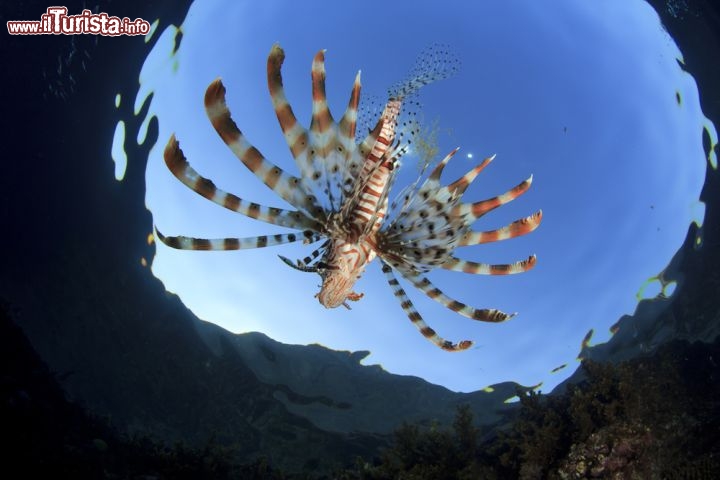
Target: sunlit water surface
<point x="586" y="96"/>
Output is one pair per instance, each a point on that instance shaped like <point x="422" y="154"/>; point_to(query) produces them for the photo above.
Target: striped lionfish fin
<point x="180" y="167"/>
<point x="326" y="153"/>
<point x="331" y="153"/>
<point x="515" y="229"/>
<point x="321" y="116"/>
<point x="434" y="177"/>
<point x="295" y="134"/>
<point x="459" y="265"/>
<point x="306" y="264"/>
<point x="369" y="141"/>
<point x="426" y="286"/>
<point x="190" y="243"/>
<point x="298" y="265"/>
<point x="478" y="209"/>
<point x="417" y="319"/>
<point x="348" y="122"/>
<point x="426" y="224"/>
<point x="434" y="63"/>
<point x="288" y="187"/>
<point x="459" y="186"/>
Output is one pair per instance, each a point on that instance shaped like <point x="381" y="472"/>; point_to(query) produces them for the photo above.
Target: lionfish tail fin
<point x="436" y="62"/>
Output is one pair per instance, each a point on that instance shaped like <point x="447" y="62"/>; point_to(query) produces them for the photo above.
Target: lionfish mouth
<point x="331" y="296"/>
<point x="330" y="303"/>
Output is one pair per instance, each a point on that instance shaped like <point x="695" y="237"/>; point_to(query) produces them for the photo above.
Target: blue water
<point x="588" y="97"/>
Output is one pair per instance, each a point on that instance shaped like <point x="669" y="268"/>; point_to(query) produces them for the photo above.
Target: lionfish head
<point x="339" y="275"/>
<point x="336" y="288"/>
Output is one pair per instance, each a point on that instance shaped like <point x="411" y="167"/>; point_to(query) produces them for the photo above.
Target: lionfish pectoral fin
<point x="321" y="116"/>
<point x="354" y="297"/>
<point x="459" y="186"/>
<point x="298" y="266"/>
<point x="467" y="266"/>
<point x="288" y="187"/>
<point x="517" y="228"/>
<point x="295" y="135"/>
<point x="428" y="288"/>
<point x="478" y="209"/>
<point x="183" y="171"/>
<point x="181" y="242"/>
<point x="348" y="122"/>
<point x="417" y="319"/>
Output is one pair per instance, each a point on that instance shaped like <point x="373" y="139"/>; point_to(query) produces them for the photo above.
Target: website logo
<point x="56" y="21"/>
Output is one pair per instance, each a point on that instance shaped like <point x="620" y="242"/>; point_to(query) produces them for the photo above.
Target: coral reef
<point x="650" y="418"/>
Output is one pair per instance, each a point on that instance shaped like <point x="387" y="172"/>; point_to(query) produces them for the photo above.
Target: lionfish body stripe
<point x="342" y="191"/>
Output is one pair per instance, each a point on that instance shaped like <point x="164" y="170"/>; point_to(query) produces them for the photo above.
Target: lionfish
<point x="419" y="232"/>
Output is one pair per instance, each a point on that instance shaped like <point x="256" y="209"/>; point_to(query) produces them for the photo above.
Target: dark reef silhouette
<point x="653" y="417"/>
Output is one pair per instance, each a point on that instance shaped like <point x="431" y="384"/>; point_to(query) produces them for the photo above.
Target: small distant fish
<point x="557" y="369"/>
